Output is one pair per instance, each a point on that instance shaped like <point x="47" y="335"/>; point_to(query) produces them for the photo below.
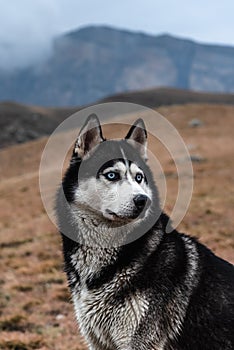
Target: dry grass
<point x="35" y="308"/>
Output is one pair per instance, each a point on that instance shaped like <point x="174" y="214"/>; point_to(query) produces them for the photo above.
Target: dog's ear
<point x="137" y="136"/>
<point x="90" y="136"/>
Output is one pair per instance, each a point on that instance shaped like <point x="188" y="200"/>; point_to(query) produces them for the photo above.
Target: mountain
<point x="93" y="62"/>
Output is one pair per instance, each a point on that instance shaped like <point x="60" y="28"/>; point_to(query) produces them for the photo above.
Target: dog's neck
<point x="100" y="241"/>
<point x="96" y="231"/>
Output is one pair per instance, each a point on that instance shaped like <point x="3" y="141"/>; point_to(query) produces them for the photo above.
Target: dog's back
<point x="160" y="291"/>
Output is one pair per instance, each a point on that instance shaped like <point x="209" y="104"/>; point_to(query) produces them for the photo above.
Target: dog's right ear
<point x="90" y="136"/>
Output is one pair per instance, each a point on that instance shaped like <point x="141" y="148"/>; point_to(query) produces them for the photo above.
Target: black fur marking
<point x="70" y="180"/>
<point x="141" y="128"/>
<point x="109" y="164"/>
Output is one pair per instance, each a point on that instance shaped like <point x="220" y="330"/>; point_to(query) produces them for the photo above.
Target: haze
<point x="28" y="27"/>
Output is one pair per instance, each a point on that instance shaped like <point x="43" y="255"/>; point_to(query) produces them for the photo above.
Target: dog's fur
<point x="160" y="291"/>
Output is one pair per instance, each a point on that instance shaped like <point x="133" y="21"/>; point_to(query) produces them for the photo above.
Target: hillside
<point x="35" y="311"/>
<point x="168" y="96"/>
<point x="94" y="62"/>
<point x="21" y="123"/>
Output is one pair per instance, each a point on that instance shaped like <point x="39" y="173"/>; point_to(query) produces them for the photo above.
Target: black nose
<point x="140" y="201"/>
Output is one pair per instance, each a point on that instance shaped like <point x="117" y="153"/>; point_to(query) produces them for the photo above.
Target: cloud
<point x="28" y="27"/>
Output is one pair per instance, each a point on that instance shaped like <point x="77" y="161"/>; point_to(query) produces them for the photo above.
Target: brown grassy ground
<point x="35" y="312"/>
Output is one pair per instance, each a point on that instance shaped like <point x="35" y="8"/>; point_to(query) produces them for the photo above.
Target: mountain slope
<point x="20" y="123"/>
<point x="36" y="312"/>
<point x="94" y="62"/>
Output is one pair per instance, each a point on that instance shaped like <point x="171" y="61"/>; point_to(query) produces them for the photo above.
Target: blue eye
<point x="112" y="176"/>
<point x="139" y="178"/>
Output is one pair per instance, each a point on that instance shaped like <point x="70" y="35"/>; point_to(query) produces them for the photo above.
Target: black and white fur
<point x="160" y="291"/>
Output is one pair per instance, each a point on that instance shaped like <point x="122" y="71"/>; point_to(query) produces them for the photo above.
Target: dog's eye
<point x="139" y="178"/>
<point x="112" y="176"/>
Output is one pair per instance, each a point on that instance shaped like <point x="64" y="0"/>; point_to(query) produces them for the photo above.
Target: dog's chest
<point x="109" y="314"/>
<point x="108" y="319"/>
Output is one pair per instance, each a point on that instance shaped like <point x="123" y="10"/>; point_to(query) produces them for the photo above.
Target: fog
<point x="28" y="27"/>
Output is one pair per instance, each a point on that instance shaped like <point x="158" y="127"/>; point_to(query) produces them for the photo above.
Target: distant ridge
<point x="21" y="123"/>
<point x="168" y="96"/>
<point x="94" y="62"/>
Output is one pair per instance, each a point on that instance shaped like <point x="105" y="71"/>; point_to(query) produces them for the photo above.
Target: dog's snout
<point x="140" y="201"/>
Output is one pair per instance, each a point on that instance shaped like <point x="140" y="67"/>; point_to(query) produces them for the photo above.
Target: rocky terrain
<point x="94" y="62"/>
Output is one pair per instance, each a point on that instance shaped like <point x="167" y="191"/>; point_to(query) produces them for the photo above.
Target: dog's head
<point x="110" y="177"/>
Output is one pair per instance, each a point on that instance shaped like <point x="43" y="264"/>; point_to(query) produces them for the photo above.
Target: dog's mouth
<point x="113" y="216"/>
<point x="116" y="217"/>
<point x="141" y="204"/>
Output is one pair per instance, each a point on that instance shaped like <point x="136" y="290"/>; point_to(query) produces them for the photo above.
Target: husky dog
<point x="134" y="286"/>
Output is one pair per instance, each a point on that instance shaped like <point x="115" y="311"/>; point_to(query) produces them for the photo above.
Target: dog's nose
<point x="140" y="201"/>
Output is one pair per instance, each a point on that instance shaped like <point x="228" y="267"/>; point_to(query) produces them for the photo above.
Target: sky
<point x="28" y="26"/>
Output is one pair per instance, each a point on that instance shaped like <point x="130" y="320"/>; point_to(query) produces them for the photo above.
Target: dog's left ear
<point x="137" y="136"/>
<point x="90" y="136"/>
